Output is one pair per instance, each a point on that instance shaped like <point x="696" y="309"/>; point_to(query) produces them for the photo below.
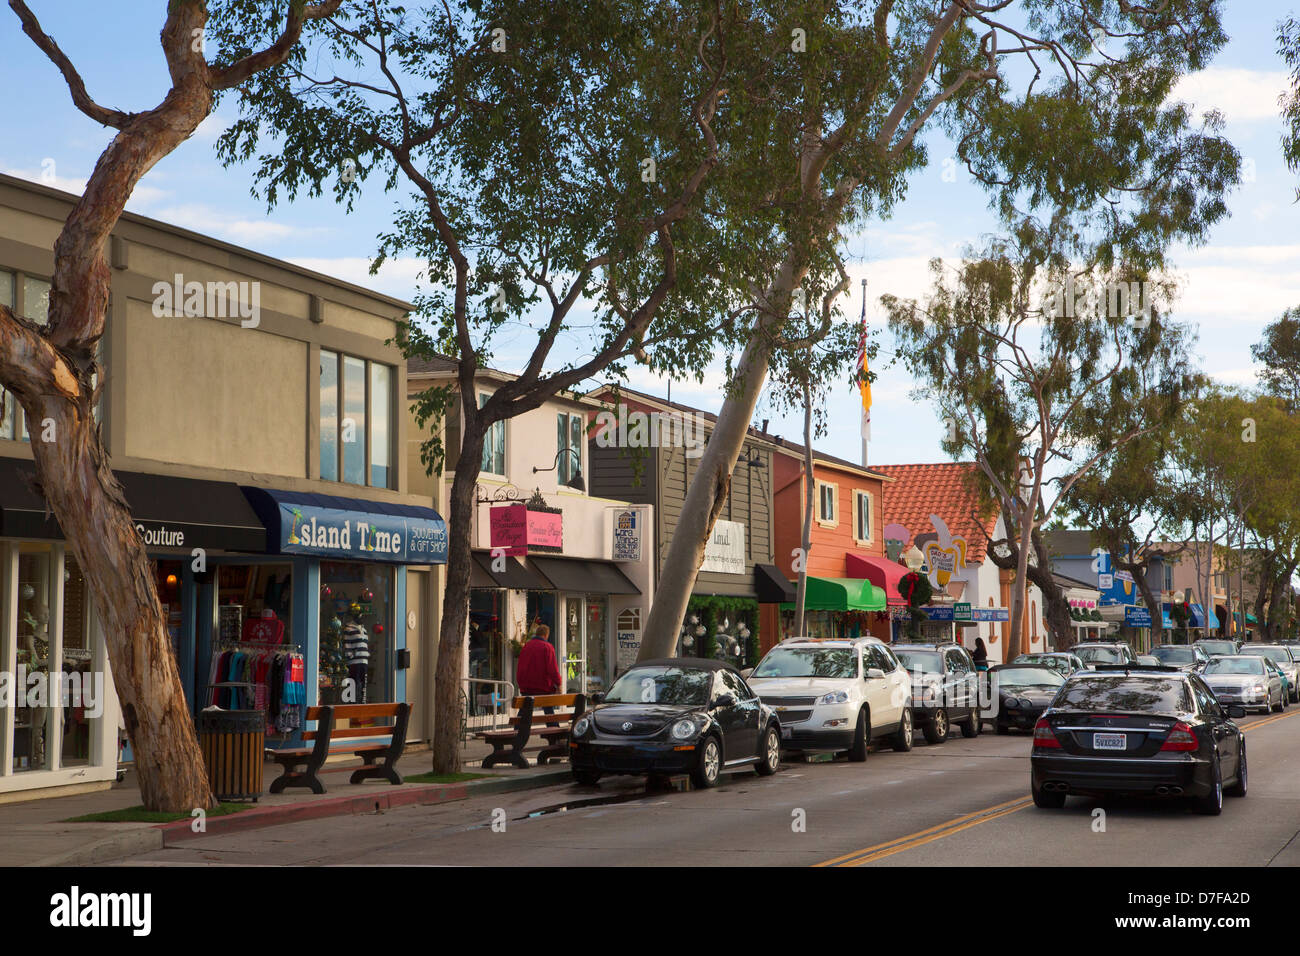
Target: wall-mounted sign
<point x="961" y="611"/>
<point x="516" y="528"/>
<point x="367" y="536"/>
<point x="627" y="535"/>
<point x="945" y="555"/>
<point x="948" y="612"/>
<point x="725" y="550"/>
<point x="627" y="630"/>
<point x="1136" y="616"/>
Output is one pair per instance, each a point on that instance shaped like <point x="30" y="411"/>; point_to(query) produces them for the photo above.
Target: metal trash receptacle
<point x="233" y="742"/>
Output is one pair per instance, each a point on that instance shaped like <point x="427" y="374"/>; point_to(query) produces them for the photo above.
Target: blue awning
<point x="1198" y="615"/>
<point x="330" y="526"/>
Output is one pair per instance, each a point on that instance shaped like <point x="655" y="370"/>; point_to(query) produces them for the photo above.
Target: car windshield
<point x="1277" y="655"/>
<point x="1233" y="665"/>
<point x="1218" y="647"/>
<point x="808" y="662"/>
<point x="1029" y="677"/>
<point x="927" y="662"/>
<point x="1100" y="655"/>
<point x="1126" y="693"/>
<point x="662" y="685"/>
<point x="1172" y="654"/>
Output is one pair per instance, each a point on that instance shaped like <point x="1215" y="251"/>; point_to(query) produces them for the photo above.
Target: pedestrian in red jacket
<point x="538" y="671"/>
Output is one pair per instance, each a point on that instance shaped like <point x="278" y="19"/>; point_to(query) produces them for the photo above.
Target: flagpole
<point x="864" y="346"/>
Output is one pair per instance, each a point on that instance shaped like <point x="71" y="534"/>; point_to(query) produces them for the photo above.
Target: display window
<point x="487" y="610"/>
<point x="356" y="627"/>
<point x="32" y="716"/>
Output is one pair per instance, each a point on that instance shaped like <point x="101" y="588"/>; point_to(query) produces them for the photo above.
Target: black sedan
<point x="1146" y="731"/>
<point x="1023" y="693"/>
<point x="672" y="716"/>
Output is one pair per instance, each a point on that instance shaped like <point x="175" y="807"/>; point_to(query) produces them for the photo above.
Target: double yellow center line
<point x="881" y="850"/>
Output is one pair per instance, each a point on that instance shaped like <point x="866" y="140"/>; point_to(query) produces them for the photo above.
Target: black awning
<point x="514" y="576"/>
<point x="771" y="586"/>
<point x="169" y="512"/>
<point x="596" y="577"/>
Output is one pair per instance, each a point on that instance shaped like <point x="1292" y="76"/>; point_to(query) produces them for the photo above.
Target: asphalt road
<point x="963" y="802"/>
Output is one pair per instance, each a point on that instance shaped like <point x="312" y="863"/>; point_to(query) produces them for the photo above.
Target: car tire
<point x="970" y="727"/>
<point x="769" y="757"/>
<point x="1047" y="800"/>
<point x="709" y="766"/>
<point x="1295" y="695"/>
<point x="936" y="728"/>
<point x="588" y="778"/>
<point x="902" y="738"/>
<point x="1279" y="706"/>
<point x="861" y="738"/>
<point x="1238" y="788"/>
<point x="1212" y="803"/>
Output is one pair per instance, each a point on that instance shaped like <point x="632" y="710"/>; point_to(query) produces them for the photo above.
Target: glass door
<point x="598" y="670"/>
<point x="575" y="673"/>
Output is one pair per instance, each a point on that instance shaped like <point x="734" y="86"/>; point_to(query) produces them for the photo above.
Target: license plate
<point x="1110" y="741"/>
<point x="786" y="731"/>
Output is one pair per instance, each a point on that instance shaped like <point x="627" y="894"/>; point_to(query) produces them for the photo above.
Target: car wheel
<point x="709" y="766"/>
<point x="903" y="736"/>
<point x="861" y="738"/>
<point x="1238" y="788"/>
<point x="1277" y="708"/>
<point x="1295" y="695"/>
<point x="936" y="729"/>
<point x="1212" y="803"/>
<point x="588" y="778"/>
<point x="970" y="727"/>
<point x="1047" y="800"/>
<point x="769" y="758"/>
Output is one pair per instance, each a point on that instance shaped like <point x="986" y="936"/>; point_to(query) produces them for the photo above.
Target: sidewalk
<point x="32" y="833"/>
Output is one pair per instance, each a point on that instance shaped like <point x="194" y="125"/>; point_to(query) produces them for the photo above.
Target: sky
<point x="1246" y="275"/>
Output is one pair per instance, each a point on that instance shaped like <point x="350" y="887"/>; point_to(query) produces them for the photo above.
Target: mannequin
<point x="356" y="651"/>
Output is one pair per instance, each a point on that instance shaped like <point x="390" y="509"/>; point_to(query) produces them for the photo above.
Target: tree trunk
<point x="455" y="603"/>
<point x="805" y="540"/>
<point x="1056" y="609"/>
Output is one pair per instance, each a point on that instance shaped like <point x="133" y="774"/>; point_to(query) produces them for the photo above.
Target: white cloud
<point x="1243" y="96"/>
<point x="397" y="277"/>
<point x="48" y="175"/>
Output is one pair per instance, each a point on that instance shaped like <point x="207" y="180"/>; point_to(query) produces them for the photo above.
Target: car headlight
<point x="581" y="726"/>
<point x="1011" y="702"/>
<point x="684" y="729"/>
<point x="835" y="697"/>
<point x="1259" y="689"/>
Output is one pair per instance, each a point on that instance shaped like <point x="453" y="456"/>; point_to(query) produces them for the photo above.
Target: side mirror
<point x="725" y="700"/>
<point x="598" y="698"/>
<point x="745" y="672"/>
<point x="1236" y="713"/>
<point x="874" y="673"/>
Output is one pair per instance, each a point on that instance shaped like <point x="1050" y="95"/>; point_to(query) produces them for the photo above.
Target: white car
<point x="836" y="694"/>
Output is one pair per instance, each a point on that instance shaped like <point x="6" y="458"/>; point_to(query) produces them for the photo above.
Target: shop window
<point x="494" y="444"/>
<point x="77" y="666"/>
<point x="33" y="724"/>
<point x="569" y="430"/>
<point x="356" y="416"/>
<point x="487" y="614"/>
<point x="356" y="636"/>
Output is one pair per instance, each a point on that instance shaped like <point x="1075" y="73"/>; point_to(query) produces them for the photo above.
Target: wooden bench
<point x="386" y="743"/>
<point x="548" y="715"/>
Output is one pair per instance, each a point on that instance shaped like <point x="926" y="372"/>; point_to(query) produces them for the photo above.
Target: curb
<point x="115" y="846"/>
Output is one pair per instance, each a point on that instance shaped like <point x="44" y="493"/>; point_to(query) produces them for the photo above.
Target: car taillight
<point x="1180" y="738"/>
<point x="1043" y="735"/>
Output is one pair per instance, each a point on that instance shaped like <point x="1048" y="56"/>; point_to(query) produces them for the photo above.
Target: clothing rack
<point x="226" y="643"/>
<point x="221" y="646"/>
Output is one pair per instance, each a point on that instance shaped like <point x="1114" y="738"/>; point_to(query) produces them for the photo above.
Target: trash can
<point x="233" y="742"/>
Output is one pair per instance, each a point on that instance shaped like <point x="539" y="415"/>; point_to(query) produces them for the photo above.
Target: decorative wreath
<point x="915" y="589"/>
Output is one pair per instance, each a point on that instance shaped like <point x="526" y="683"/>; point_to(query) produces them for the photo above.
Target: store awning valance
<point x="350" y="529"/>
<point x="169" y="512"/>
<point x="514" y="575"/>
<point x="842" y="594"/>
<point x="881" y="572"/>
<point x="771" y="585"/>
<point x="575" y="574"/>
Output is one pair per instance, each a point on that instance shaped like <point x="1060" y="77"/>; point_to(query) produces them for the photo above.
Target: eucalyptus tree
<point x="51" y="370"/>
<point x="1049" y="103"/>
<point x="549" y="164"/>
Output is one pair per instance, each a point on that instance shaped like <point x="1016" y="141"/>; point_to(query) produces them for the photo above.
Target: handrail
<point x="500" y="706"/>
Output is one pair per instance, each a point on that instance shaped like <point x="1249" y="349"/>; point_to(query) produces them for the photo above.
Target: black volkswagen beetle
<point x="676" y="715"/>
<point x="1024" y="691"/>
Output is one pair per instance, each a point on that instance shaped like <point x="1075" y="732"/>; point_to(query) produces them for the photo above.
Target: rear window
<point x="1277" y="655"/>
<point x="1100" y="655"/>
<point x="1124" y="692"/>
<point x="1171" y="654"/>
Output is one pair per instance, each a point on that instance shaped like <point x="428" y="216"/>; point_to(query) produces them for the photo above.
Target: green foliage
<point x="1279" y="352"/>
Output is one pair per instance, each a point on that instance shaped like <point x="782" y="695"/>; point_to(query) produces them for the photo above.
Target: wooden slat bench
<point x="548" y="715"/>
<point x="331" y="739"/>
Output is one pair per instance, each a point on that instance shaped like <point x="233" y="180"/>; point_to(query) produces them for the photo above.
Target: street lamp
<point x="576" y="482"/>
<point x="913" y="558"/>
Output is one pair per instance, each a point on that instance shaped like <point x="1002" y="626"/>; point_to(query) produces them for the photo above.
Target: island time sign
<point x="328" y="532"/>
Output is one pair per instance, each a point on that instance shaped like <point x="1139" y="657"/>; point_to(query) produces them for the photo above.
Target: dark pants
<point x="357" y="673"/>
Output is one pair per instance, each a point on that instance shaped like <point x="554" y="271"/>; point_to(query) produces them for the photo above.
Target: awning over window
<point x="514" y="576"/>
<point x="771" y="586"/>
<point x="881" y="572"/>
<point x="349" y="529"/>
<point x="841" y="594"/>
<point x="169" y="512"/>
<point x="596" y="577"/>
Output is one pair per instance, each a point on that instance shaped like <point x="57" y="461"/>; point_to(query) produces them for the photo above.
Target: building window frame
<point x="834" y="500"/>
<point x="489" y="443"/>
<point x="570" y="434"/>
<point x="369" y="413"/>
<point x="858" y="497"/>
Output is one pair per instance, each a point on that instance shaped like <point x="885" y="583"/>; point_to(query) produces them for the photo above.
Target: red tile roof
<point x="946" y="489"/>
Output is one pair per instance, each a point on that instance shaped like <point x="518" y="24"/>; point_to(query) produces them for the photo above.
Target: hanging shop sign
<point x="517" y="528"/>
<point x="945" y="554"/>
<point x="627" y="628"/>
<point x="627" y="535"/>
<point x="725" y="550"/>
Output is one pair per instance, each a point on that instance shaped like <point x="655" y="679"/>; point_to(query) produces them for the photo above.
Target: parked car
<point x="676" y="715"/>
<point x="1246" y="680"/>
<point x="1284" y="659"/>
<point x="1064" y="661"/>
<point x="1024" y="692"/>
<point x="1137" y="730"/>
<point x="1286" y="681"/>
<point x="1186" y="657"/>
<point x="834" y="695"/>
<point x="1113" y="652"/>
<point x="945" y="689"/>
<point x="1214" y="647"/>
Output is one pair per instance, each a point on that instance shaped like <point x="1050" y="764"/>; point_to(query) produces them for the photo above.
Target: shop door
<point x="574" y="657"/>
<point x="417" y="689"/>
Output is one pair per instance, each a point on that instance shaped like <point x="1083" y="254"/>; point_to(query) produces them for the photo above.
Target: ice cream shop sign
<point x="521" y="528"/>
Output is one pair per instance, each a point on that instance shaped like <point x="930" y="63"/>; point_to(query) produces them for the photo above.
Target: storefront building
<point x="231" y="380"/>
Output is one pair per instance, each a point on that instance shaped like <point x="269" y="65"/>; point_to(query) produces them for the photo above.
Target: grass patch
<point x="444" y="777"/>
<point x="139" y="814"/>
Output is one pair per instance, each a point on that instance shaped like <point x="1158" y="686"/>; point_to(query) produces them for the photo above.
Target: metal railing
<point x="497" y="699"/>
